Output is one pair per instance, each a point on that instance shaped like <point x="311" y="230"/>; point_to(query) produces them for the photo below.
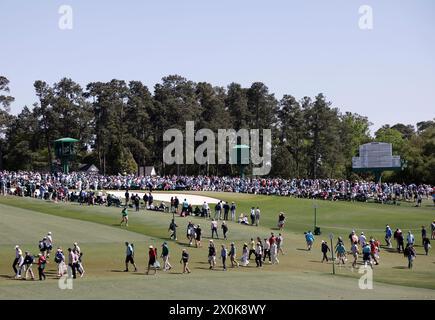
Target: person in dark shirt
<point x="224" y="229"/>
<point x="325" y="250"/>
<point x="185" y="261"/>
<point x="226" y="210"/>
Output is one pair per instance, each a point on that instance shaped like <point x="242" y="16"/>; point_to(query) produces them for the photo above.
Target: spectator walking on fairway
<point x="185" y="261"/>
<point x="251" y="248"/>
<point x="281" y="221"/>
<point x="211" y="254"/>
<point x="224" y="254"/>
<point x="426" y="245"/>
<point x="224" y="227"/>
<point x="124" y="217"/>
<point x="232" y="255"/>
<point x="355" y="251"/>
<point x="257" y="216"/>
<point x="173" y="229"/>
<point x="410" y="239"/>
<point x="258" y="255"/>
<point x="165" y="257"/>
<point x="18" y="255"/>
<point x="129" y="256"/>
<point x="362" y="239"/>
<point x="42" y="261"/>
<point x="325" y="249"/>
<point x="309" y="238"/>
<point x="233" y="211"/>
<point x="28" y="262"/>
<point x="59" y="258"/>
<point x="266" y="250"/>
<point x="198" y="232"/>
<point x="279" y="242"/>
<point x="152" y="258"/>
<point x="253" y="215"/>
<point x="274" y="252"/>
<point x="341" y="253"/>
<point x="388" y="236"/>
<point x="409" y="253"/>
<point x="398" y="235"/>
<point x="214" y="226"/>
<point x="245" y="259"/>
<point x="423" y="234"/>
<point x="367" y="255"/>
<point x="226" y="210"/>
<point x="72" y="263"/>
<point x="432" y="227"/>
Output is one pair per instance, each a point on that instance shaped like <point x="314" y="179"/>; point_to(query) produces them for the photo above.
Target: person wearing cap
<point x="325" y="249"/>
<point x="20" y="268"/>
<point x="309" y="238"/>
<point x="72" y="263"/>
<point x="18" y="255"/>
<point x="28" y="262"/>
<point x="165" y="257"/>
<point x="185" y="261"/>
<point x="409" y="252"/>
<point x="232" y="255"/>
<point x="49" y="243"/>
<point x="251" y="248"/>
<point x="59" y="258"/>
<point x="257" y="216"/>
<point x="226" y="208"/>
<point x="129" y="256"/>
<point x="398" y="235"/>
<point x="42" y="261"/>
<point x="362" y="239"/>
<point x="233" y="211"/>
<point x="152" y="254"/>
<point x="388" y="235"/>
<point x="211" y="254"/>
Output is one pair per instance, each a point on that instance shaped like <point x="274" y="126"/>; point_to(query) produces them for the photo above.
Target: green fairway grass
<point x="300" y="274"/>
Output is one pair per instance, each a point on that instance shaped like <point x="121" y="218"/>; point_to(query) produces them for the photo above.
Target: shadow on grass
<point x="300" y="249"/>
<point x="400" y="267"/>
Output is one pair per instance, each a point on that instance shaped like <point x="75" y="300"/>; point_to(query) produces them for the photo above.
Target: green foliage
<point x="120" y="126"/>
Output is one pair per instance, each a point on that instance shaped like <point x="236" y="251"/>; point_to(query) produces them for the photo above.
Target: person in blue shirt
<point x="388" y="235"/>
<point x="309" y="238"/>
<point x="367" y="255"/>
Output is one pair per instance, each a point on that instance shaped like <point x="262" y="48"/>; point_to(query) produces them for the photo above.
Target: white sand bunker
<point x="191" y="198"/>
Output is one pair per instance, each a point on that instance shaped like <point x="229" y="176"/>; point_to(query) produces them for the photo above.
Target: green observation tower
<point x="64" y="149"/>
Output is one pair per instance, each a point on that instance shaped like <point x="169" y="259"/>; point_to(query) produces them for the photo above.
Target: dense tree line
<point x="120" y="126"/>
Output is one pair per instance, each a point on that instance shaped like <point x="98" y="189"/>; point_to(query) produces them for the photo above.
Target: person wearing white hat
<point x="49" y="243"/>
<point x="18" y="254"/>
<point x="362" y="239"/>
<point x="152" y="253"/>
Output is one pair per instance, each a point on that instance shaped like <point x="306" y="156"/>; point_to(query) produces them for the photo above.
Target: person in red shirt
<point x="41" y="266"/>
<point x="374" y="251"/>
<point x="272" y="239"/>
<point x="152" y="253"/>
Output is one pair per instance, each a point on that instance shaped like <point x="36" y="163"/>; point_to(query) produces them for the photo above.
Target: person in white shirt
<point x="257" y="216"/>
<point x="258" y="255"/>
<point x="49" y="243"/>
<point x="410" y="238"/>
<point x="362" y="239"/>
<point x="274" y="253"/>
<point x="18" y="254"/>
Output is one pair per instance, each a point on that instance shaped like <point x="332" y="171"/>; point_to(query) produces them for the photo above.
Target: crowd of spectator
<point x="66" y="185"/>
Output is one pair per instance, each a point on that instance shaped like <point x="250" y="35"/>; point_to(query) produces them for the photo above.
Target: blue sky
<point x="295" y="47"/>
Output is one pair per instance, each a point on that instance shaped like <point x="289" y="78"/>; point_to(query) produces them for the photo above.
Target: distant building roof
<point x="88" y="168"/>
